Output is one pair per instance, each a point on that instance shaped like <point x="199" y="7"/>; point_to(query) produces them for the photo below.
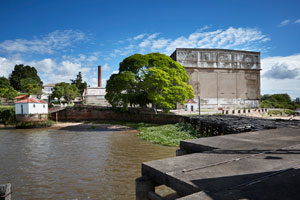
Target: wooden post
<point x="5" y="191"/>
<point x="56" y="117"/>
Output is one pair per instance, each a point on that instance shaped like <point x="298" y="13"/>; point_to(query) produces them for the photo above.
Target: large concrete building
<point x="227" y="79"/>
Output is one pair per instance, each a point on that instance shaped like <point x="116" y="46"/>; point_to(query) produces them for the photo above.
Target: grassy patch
<point x="169" y="135"/>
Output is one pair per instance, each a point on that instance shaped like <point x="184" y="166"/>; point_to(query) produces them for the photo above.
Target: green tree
<point x="151" y="78"/>
<point x="23" y="72"/>
<point x="4" y="82"/>
<point x="66" y="91"/>
<point x="30" y="85"/>
<point x="79" y="83"/>
<point x="9" y="93"/>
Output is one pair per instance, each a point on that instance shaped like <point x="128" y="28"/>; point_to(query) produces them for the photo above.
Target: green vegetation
<point x="7" y="115"/>
<point x="4" y="82"/>
<point x="23" y="76"/>
<point x="81" y="86"/>
<point x="169" y="135"/>
<point x="279" y="101"/>
<point x="151" y="78"/>
<point x="282" y="112"/>
<point x="65" y="90"/>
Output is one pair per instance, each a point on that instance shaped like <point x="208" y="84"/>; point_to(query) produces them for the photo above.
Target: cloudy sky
<point x="61" y="38"/>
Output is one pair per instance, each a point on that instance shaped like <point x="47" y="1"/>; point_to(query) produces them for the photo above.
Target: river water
<point x="74" y="164"/>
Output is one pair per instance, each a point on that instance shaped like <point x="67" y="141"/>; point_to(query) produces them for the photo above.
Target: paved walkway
<point x="255" y="165"/>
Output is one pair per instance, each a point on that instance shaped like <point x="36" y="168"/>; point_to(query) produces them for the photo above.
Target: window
<point x="99" y="97"/>
<point x="44" y="106"/>
<point x="34" y="105"/>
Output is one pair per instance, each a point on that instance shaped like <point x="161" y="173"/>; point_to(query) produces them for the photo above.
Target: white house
<point x="47" y="90"/>
<point x="190" y="105"/>
<point x="31" y="106"/>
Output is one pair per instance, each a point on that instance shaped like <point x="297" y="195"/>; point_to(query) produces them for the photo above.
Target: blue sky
<point x="61" y="38"/>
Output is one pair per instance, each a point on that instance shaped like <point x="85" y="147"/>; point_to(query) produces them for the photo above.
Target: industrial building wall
<point x="222" y="78"/>
<point x="225" y="88"/>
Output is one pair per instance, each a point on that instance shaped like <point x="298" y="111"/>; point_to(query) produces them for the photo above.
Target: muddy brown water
<point x="74" y="164"/>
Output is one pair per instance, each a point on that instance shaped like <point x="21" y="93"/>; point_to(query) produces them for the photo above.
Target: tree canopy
<point x="21" y="72"/>
<point x="66" y="91"/>
<point x="9" y="93"/>
<point x="79" y="83"/>
<point x="279" y="101"/>
<point x="151" y="78"/>
<point x="4" y="82"/>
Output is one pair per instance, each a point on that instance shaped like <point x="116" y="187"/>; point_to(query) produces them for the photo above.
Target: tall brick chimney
<point x="99" y="76"/>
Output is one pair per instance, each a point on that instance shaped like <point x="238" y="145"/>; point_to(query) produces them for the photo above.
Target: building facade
<point x="31" y="109"/>
<point x="227" y="79"/>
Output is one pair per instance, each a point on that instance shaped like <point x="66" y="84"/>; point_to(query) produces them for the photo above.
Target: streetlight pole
<point x="199" y="106"/>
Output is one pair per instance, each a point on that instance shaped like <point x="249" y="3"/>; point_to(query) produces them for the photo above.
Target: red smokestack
<point x="99" y="76"/>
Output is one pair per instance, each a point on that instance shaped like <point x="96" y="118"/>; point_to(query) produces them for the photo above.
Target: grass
<point x="168" y="135"/>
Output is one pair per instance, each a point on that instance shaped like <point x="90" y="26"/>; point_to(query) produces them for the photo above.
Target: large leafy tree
<point x="9" y="93"/>
<point x="4" y="82"/>
<point x="151" y="78"/>
<point x="79" y="83"/>
<point x="31" y="86"/>
<point x="66" y="91"/>
<point x="21" y="72"/>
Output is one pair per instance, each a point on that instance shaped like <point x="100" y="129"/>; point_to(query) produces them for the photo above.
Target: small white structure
<point x="190" y="105"/>
<point x="95" y="96"/>
<point x="47" y="90"/>
<point x="31" y="106"/>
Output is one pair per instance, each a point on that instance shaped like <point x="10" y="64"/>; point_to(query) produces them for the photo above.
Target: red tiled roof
<point x="31" y="100"/>
<point x="22" y="96"/>
<point x="190" y="101"/>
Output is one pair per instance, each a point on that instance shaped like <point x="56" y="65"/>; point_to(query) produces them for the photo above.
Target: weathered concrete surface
<point x="229" y="170"/>
<point x="252" y="142"/>
<point x="221" y="77"/>
<point x="220" y="124"/>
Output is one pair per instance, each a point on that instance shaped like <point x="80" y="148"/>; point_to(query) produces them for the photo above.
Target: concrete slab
<point x="251" y="142"/>
<point x="234" y="164"/>
<point x="281" y="186"/>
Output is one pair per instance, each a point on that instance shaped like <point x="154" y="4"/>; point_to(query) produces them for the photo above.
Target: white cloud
<point x="106" y="67"/>
<point x="138" y="37"/>
<point x="281" y="74"/>
<point x="49" y="43"/>
<point x="297" y="21"/>
<point x="231" y="38"/>
<point x="284" y="23"/>
<point x="159" y="44"/>
<point x="147" y="42"/>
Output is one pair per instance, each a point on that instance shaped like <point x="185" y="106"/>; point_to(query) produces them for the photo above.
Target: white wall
<point x="31" y="108"/>
<point x="18" y="109"/>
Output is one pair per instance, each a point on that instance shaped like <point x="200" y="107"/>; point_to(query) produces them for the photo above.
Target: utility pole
<point x="199" y="106"/>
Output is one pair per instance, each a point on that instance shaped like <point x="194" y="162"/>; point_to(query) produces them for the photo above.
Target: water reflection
<point x="61" y="164"/>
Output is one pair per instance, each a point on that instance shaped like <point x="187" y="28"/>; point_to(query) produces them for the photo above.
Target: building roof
<point x="49" y="85"/>
<point x="95" y="91"/>
<point x="21" y="96"/>
<point x="31" y="100"/>
<point x="191" y="101"/>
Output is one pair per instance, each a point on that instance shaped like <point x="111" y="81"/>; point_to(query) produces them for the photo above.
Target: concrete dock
<point x="254" y="165"/>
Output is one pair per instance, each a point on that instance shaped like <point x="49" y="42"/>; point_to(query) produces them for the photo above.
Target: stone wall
<point x="31" y="117"/>
<point x="94" y="113"/>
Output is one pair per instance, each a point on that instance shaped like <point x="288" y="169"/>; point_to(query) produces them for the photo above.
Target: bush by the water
<point x="7" y="115"/>
<point x="281" y="112"/>
<point x="169" y="135"/>
<point x="279" y="101"/>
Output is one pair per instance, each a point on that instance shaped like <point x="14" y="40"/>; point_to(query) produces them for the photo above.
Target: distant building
<point x="47" y="90"/>
<point x="31" y="109"/>
<point x="223" y="78"/>
<point x="95" y="95"/>
<point x="190" y="105"/>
